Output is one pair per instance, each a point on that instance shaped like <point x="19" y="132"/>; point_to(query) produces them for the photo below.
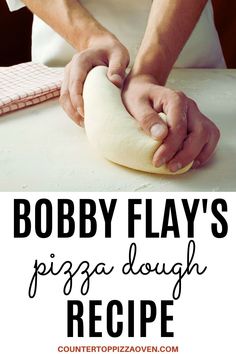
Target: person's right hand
<point x="105" y="50"/>
<point x="186" y="136"/>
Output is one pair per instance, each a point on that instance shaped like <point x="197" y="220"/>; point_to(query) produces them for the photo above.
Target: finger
<point x="65" y="82"/>
<point x="79" y="70"/>
<point x="69" y="109"/>
<point x="176" y="110"/>
<point x="154" y="125"/>
<point x="65" y="100"/>
<point x="117" y="65"/>
<point x="207" y="151"/>
<point x="150" y="121"/>
<point x="191" y="148"/>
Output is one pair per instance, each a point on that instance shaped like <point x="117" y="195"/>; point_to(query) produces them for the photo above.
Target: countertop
<point x="43" y="150"/>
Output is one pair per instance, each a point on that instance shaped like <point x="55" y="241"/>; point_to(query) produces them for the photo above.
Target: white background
<point x="204" y="316"/>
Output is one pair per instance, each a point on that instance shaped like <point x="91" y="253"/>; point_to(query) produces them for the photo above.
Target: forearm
<point x="70" y="19"/>
<point x="169" y="27"/>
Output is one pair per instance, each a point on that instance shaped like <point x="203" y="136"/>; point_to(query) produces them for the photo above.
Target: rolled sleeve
<point x="14" y="5"/>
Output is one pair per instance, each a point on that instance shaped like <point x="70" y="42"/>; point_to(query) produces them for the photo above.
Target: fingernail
<point x="160" y="162"/>
<point x="157" y="130"/>
<point x="117" y="79"/>
<point x="175" y="167"/>
<point x="80" y="111"/>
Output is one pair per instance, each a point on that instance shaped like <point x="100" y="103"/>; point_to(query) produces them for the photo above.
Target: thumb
<point x="116" y="69"/>
<point x="153" y="124"/>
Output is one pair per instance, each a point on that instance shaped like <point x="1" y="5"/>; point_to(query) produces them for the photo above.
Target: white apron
<point x="127" y="19"/>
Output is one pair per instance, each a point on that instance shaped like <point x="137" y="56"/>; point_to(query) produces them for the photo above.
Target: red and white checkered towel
<point x="27" y="84"/>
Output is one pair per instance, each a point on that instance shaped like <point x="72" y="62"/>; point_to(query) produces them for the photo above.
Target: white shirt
<point x="127" y="19"/>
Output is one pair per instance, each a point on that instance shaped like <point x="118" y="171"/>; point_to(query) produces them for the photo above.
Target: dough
<point x="112" y="131"/>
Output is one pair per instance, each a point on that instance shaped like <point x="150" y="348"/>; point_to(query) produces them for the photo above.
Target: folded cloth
<point x="27" y="84"/>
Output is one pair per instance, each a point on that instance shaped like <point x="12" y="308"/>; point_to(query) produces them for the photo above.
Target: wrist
<point x="140" y="77"/>
<point x="88" y="35"/>
<point x="153" y="62"/>
<point x="101" y="37"/>
<point x="154" y="58"/>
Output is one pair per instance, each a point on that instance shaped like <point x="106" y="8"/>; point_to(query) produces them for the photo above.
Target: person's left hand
<point x="104" y="50"/>
<point x="188" y="134"/>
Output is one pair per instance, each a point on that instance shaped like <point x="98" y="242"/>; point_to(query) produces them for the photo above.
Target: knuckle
<point x="76" y="85"/>
<point x="213" y="130"/>
<point x="82" y="58"/>
<point x="216" y="133"/>
<point x="192" y="103"/>
<point x="121" y="56"/>
<point x="126" y="59"/>
<point x="123" y="49"/>
<point x="202" y="131"/>
<point x="147" y="121"/>
<point x="181" y="129"/>
<point x="177" y="99"/>
<point x="63" y="97"/>
<point x="76" y="57"/>
<point x="167" y="92"/>
<point x="178" y="96"/>
<point x="124" y="55"/>
<point x="114" y="69"/>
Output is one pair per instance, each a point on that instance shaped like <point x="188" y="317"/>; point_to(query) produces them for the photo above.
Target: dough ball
<point x="112" y="131"/>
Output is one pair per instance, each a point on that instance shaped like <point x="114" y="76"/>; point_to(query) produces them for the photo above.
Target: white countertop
<point x="43" y="150"/>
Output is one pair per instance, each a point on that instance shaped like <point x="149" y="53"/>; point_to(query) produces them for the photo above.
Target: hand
<point x="188" y="135"/>
<point x="106" y="50"/>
